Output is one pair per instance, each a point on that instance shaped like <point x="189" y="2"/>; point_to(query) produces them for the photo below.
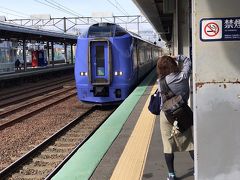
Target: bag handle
<point x="156" y="91"/>
<point x="165" y="90"/>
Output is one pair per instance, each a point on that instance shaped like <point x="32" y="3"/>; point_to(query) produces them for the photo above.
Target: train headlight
<point x="83" y="74"/>
<point x="118" y="73"/>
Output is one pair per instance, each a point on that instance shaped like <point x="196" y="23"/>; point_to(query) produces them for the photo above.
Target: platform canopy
<point x="160" y="14"/>
<point x="8" y="31"/>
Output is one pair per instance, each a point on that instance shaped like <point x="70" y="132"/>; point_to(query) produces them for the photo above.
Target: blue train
<point x="110" y="62"/>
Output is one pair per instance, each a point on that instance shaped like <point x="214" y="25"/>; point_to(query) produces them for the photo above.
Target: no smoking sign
<point x="211" y="29"/>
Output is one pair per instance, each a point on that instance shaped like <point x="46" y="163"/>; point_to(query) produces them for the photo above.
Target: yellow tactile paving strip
<point x="132" y="161"/>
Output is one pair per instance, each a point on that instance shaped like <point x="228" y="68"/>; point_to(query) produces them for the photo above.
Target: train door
<point x="100" y="62"/>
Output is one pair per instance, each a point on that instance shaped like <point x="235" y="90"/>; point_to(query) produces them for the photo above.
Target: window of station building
<point x="3" y="55"/>
<point x="68" y="54"/>
<point x="59" y="57"/>
<point x="5" y="52"/>
<point x="7" y="57"/>
<point x="100" y="70"/>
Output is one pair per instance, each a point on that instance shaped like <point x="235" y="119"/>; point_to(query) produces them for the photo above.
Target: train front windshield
<point x="105" y="31"/>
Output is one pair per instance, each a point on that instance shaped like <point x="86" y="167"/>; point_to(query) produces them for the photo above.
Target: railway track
<point x="21" y="94"/>
<point x="19" y="112"/>
<point x="48" y="157"/>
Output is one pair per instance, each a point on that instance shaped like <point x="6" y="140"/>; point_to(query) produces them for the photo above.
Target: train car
<point x="110" y="62"/>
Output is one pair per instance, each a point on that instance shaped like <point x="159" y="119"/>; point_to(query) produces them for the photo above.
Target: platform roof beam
<point x="160" y="14"/>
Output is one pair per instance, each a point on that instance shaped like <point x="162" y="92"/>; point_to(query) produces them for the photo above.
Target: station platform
<point x="127" y="146"/>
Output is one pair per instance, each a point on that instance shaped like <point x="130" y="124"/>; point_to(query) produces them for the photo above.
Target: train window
<point x="148" y="54"/>
<point x="156" y="54"/>
<point x="100" y="61"/>
<point x="120" y="31"/>
<point x="141" y="55"/>
<point x="135" y="57"/>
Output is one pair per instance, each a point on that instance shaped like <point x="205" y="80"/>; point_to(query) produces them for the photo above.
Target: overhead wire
<point x="23" y="15"/>
<point x="12" y="14"/>
<point x="66" y="8"/>
<point x="121" y="7"/>
<point x="55" y="7"/>
<point x="70" y="11"/>
<point x="117" y="7"/>
<point x="47" y="4"/>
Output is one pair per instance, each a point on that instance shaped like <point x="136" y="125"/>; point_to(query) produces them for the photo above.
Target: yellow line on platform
<point x="132" y="161"/>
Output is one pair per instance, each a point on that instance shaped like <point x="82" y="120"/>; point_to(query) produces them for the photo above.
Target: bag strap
<point x="165" y="90"/>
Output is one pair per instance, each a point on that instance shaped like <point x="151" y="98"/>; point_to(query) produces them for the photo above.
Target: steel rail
<point x="17" y="92"/>
<point x="34" y="102"/>
<point x="27" y="115"/>
<point x="73" y="152"/>
<point x="15" y="165"/>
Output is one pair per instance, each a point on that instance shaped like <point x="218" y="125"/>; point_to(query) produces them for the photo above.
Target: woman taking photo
<point x="177" y="80"/>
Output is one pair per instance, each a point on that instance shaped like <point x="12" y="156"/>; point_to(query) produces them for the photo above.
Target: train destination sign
<point x="220" y="29"/>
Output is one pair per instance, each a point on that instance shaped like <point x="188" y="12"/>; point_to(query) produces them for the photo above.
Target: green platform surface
<point x="82" y="164"/>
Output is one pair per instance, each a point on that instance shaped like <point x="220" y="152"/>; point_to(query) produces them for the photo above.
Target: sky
<point x="23" y="9"/>
<point x="13" y="9"/>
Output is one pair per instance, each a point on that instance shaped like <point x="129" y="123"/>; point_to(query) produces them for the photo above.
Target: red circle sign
<point x="211" y="29"/>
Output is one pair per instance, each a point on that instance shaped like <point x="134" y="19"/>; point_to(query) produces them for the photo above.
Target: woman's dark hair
<point x="166" y="65"/>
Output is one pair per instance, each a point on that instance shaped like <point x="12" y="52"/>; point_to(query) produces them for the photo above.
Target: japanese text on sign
<point x="231" y="23"/>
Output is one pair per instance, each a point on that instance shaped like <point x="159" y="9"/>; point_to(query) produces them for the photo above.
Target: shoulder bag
<point x="176" y="110"/>
<point x="154" y="104"/>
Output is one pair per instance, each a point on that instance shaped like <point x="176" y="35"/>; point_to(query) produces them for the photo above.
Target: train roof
<point x="139" y="37"/>
<point x="110" y="30"/>
<point x="104" y="30"/>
